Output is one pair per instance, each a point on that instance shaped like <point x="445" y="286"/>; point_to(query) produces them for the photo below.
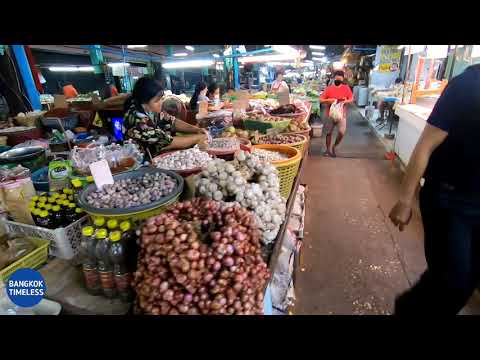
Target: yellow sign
<point x="389" y="58"/>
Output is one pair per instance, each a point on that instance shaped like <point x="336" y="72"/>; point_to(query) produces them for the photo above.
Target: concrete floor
<point x="353" y="260"/>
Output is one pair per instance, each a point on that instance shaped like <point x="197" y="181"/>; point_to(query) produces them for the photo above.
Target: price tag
<point x="101" y="173"/>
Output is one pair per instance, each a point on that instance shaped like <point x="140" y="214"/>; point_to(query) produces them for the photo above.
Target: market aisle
<point x="354" y="261"/>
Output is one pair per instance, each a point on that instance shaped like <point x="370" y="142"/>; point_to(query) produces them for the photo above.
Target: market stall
<point x="197" y="231"/>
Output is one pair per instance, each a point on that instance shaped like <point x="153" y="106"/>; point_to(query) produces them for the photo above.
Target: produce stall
<point x="196" y="231"/>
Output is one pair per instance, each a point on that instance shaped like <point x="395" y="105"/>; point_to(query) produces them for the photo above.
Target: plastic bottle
<point x="118" y="257"/>
<point x="104" y="264"/>
<point x="35" y="215"/>
<point x="132" y="248"/>
<point x="89" y="261"/>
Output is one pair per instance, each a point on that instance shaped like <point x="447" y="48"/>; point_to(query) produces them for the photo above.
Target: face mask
<point x="337" y="82"/>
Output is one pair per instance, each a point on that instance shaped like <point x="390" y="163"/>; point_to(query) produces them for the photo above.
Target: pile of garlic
<point x="249" y="182"/>
<point x="184" y="159"/>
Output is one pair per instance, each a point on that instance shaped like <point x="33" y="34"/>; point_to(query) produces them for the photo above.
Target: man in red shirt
<point x="340" y="92"/>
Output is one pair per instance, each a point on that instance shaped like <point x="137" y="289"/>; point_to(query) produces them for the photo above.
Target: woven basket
<point x="287" y="169"/>
<point x="300" y="132"/>
<point x="300" y="145"/>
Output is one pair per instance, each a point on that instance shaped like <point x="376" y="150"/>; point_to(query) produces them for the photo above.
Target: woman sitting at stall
<point x="213" y="95"/>
<point x="199" y="95"/>
<point x="153" y="129"/>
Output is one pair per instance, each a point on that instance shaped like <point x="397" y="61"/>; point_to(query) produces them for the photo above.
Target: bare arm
<point x="430" y="139"/>
<point x="182" y="126"/>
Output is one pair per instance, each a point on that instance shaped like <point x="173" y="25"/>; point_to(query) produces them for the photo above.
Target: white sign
<point x="101" y="173"/>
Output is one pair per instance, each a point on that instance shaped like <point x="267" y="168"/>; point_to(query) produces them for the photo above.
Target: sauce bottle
<point x="112" y="224"/>
<point x="44" y="220"/>
<point x="58" y="216"/>
<point x="70" y="213"/>
<point x="118" y="257"/>
<point x="79" y="213"/>
<point x="77" y="188"/>
<point x="104" y="264"/>
<point x="89" y="261"/>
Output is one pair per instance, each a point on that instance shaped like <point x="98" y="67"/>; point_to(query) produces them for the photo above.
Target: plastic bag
<point x="17" y="196"/>
<point x="337" y="111"/>
<point x="14" y="249"/>
<point x="59" y="172"/>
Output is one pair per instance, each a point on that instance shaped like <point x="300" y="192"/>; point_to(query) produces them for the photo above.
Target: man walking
<point x="447" y="155"/>
<point x="337" y="92"/>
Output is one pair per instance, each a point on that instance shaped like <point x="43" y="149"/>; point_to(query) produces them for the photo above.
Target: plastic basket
<point x="137" y="212"/>
<point x="287" y="169"/>
<point x="300" y="145"/>
<point x="64" y="242"/>
<point x="33" y="260"/>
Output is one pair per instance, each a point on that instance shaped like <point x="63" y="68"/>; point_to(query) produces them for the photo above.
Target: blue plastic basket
<point x="38" y="179"/>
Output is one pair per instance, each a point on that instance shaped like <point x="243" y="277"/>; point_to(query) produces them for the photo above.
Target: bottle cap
<point x="40" y="205"/>
<point x="63" y="196"/>
<point x="112" y="224"/>
<point x="67" y="191"/>
<point x="48" y="207"/>
<point x="79" y="210"/>
<point x="43" y="199"/>
<point x="115" y="235"/>
<point x="88" y="231"/>
<point x="55" y="196"/>
<point x="101" y="233"/>
<point x="125" y="226"/>
<point x="32" y="204"/>
<point x="71" y="205"/>
<point x="70" y="198"/>
<point x="44" y="213"/>
<point x="51" y="200"/>
<point x="90" y="179"/>
<point x="76" y="183"/>
<point x="65" y="202"/>
<point x="36" y="212"/>
<point x="56" y="208"/>
<point x="35" y="198"/>
<point x="99" y="221"/>
<point x="59" y="201"/>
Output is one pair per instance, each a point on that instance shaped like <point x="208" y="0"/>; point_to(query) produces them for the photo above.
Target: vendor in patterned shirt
<point x="153" y="129"/>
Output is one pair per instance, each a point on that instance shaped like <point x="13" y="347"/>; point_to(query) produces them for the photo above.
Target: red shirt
<point x="336" y="92"/>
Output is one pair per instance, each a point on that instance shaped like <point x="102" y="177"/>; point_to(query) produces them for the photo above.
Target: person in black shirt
<point x="447" y="155"/>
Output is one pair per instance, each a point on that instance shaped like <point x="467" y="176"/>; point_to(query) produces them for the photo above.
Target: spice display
<point x="250" y="183"/>
<point x="132" y="192"/>
<point x="269" y="155"/>
<point x="183" y="159"/>
<point x="225" y="144"/>
<point x="200" y="258"/>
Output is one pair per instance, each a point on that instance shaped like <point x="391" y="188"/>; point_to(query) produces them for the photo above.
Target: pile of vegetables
<point x="269" y="155"/>
<point x="127" y="193"/>
<point x="280" y="139"/>
<point x="249" y="182"/>
<point x="200" y="258"/>
<point x="184" y="159"/>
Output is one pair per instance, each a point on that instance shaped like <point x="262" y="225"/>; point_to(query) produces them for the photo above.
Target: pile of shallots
<point x="201" y="258"/>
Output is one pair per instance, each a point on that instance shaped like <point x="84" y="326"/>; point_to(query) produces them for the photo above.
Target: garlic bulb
<point x="184" y="159"/>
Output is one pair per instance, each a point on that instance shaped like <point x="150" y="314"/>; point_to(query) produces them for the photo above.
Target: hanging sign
<point x="389" y="58"/>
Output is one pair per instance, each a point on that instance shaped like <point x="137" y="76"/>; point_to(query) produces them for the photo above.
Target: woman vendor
<point x="152" y="128"/>
<point x="213" y="95"/>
